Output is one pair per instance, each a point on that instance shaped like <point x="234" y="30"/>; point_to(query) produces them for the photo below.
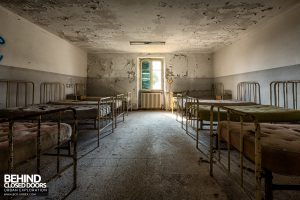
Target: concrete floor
<point x="148" y="157"/>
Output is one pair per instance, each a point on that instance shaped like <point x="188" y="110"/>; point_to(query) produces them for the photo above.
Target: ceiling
<point x="185" y="25"/>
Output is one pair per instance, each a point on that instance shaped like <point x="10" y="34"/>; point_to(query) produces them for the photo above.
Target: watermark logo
<point x="23" y="185"/>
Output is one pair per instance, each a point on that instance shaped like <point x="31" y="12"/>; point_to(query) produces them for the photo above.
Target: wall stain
<point x="130" y="68"/>
<point x="2" y="42"/>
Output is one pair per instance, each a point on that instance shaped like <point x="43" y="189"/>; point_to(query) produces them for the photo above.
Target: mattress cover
<point x="280" y="145"/>
<point x="83" y="112"/>
<point x="267" y="113"/>
<point x="73" y="102"/>
<point x="25" y="139"/>
<point x="204" y="112"/>
<point x="203" y="109"/>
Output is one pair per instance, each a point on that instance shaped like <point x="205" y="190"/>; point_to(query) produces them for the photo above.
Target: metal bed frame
<point x="259" y="172"/>
<point x="285" y="93"/>
<point x="275" y="88"/>
<point x="55" y="91"/>
<point x="51" y="91"/>
<point x="218" y="90"/>
<point x="22" y="113"/>
<point x="11" y="116"/>
<point x="249" y="91"/>
<point x="82" y="87"/>
<point x="8" y="85"/>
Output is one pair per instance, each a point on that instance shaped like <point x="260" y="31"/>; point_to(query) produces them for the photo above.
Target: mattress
<point x="267" y="113"/>
<point x="203" y="109"/>
<point x="84" y="109"/>
<point x="25" y="139"/>
<point x="204" y="112"/>
<point x="280" y="145"/>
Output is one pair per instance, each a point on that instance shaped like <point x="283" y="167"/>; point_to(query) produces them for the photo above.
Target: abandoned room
<point x="139" y="99"/>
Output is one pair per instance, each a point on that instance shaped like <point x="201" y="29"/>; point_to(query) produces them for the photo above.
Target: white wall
<point x="274" y="44"/>
<point x="31" y="47"/>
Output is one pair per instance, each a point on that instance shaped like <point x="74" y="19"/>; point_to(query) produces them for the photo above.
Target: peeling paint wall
<point x="31" y="47"/>
<point x="271" y="53"/>
<point x="110" y="73"/>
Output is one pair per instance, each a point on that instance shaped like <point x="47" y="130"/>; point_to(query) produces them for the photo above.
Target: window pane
<point x="156" y="75"/>
<point x="156" y="65"/>
<point x="146" y="75"/>
<point x="156" y="78"/>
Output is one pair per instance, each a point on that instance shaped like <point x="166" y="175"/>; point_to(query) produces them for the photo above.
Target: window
<point x="151" y="74"/>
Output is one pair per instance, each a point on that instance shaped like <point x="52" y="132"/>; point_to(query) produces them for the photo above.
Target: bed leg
<point x="211" y="137"/>
<point x="58" y="143"/>
<point x="201" y="124"/>
<point x="268" y="185"/>
<point x="69" y="147"/>
<point x="38" y="146"/>
<point x="11" y="148"/>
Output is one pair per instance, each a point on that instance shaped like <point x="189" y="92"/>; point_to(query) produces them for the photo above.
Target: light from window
<point x="151" y="74"/>
<point x="156" y="75"/>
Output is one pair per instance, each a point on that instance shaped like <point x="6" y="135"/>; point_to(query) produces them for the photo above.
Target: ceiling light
<point x="147" y="43"/>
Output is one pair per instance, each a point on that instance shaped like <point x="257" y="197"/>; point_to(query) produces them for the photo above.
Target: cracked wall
<point x="109" y="74"/>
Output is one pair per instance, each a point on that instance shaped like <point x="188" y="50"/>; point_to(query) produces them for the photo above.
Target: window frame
<point x="150" y="60"/>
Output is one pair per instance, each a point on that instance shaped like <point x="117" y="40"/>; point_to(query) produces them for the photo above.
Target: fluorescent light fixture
<point x="147" y="43"/>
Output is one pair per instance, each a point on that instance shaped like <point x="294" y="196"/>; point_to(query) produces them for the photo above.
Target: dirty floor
<point x="147" y="157"/>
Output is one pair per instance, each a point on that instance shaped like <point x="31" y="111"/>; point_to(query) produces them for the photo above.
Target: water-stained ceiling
<point x="185" y="25"/>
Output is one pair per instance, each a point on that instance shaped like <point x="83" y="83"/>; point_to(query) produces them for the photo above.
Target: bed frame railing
<point x="52" y="91"/>
<point x="285" y="93"/>
<point x="218" y="90"/>
<point x="17" y="93"/>
<point x="249" y="91"/>
<point x="80" y="90"/>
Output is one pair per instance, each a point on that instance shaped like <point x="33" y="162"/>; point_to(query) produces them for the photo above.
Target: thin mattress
<point x="25" y="139"/>
<point x="280" y="145"/>
<point x="84" y="109"/>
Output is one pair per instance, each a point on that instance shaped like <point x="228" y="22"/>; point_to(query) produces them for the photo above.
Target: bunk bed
<point x="273" y="147"/>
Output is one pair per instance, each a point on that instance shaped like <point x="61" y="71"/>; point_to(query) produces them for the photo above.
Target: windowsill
<point x="149" y="91"/>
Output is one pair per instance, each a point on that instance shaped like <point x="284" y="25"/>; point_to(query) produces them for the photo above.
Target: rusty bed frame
<point x="54" y="93"/>
<point x="216" y="92"/>
<point x="119" y="110"/>
<point x="22" y="113"/>
<point x="280" y="91"/>
<point x="13" y="98"/>
<point x="285" y="93"/>
<point x="80" y="91"/>
<point x="247" y="92"/>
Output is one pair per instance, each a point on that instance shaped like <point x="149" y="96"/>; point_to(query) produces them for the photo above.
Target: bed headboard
<point x="16" y="93"/>
<point x="249" y="91"/>
<point x="80" y="89"/>
<point x="52" y="91"/>
<point x="218" y="90"/>
<point x="285" y="93"/>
